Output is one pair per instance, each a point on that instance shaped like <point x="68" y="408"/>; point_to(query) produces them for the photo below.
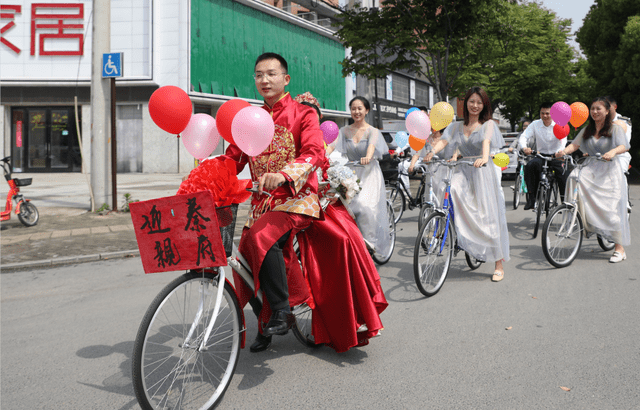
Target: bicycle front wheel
<point x="562" y="236"/>
<point x="171" y="366"/>
<point x="432" y="254"/>
<point x="382" y="256"/>
<point x="302" y="328"/>
<point x="398" y="202"/>
<point x="541" y="202"/>
<point x="517" y="191"/>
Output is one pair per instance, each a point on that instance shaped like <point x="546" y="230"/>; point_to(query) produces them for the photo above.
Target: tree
<point x="528" y="61"/>
<point x="610" y="38"/>
<point x="434" y="39"/>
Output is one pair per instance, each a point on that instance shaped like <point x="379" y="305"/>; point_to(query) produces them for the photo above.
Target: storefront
<point x="44" y="139"/>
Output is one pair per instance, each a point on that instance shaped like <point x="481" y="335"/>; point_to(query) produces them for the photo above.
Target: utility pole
<point x="100" y="105"/>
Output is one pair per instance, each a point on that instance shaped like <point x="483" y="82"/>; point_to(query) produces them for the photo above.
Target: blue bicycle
<point x="436" y="244"/>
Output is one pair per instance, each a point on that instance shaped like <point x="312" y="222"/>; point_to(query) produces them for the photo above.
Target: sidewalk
<point x="67" y="232"/>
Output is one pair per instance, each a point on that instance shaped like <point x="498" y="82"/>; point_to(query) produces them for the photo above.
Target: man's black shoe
<point x="280" y="323"/>
<point x="262" y="343"/>
<point x="529" y="205"/>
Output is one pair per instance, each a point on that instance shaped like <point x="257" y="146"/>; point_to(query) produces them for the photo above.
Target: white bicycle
<point x="187" y="347"/>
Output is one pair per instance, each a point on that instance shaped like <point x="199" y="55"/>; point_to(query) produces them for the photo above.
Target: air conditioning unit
<point x="311" y="16"/>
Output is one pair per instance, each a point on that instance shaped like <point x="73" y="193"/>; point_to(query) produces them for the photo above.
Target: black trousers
<point x="532" y="175"/>
<point x="273" y="275"/>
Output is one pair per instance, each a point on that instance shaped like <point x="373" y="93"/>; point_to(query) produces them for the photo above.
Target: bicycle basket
<point x="23" y="181"/>
<point x="389" y="169"/>
<point x="227" y="222"/>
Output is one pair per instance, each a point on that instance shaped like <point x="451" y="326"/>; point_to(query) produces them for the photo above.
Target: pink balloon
<point x="201" y="136"/>
<point x="561" y="113"/>
<point x="252" y="130"/>
<point x="330" y="131"/>
<point x="418" y="124"/>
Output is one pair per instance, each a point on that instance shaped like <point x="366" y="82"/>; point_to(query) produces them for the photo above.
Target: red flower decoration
<point x="219" y="177"/>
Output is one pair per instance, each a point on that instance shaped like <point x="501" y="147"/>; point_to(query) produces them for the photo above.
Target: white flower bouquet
<point x="344" y="181"/>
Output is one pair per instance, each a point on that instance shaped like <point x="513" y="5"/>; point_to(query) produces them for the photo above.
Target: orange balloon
<point x="579" y="114"/>
<point x="416" y="143"/>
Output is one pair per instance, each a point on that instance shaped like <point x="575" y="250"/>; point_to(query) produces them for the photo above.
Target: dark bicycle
<point x="548" y="196"/>
<point x="400" y="196"/>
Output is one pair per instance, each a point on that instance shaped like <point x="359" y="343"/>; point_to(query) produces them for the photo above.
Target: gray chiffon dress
<point x="370" y="205"/>
<point x="476" y="193"/>
<point x="602" y="190"/>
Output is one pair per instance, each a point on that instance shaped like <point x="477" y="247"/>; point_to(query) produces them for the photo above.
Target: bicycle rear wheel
<point x="472" y="262"/>
<point x="170" y="370"/>
<point x="302" y="328"/>
<point x="517" y="191"/>
<point x="398" y="201"/>
<point x="541" y="202"/>
<point x="605" y="244"/>
<point x="382" y="256"/>
<point x="425" y="211"/>
<point x="561" y="239"/>
<point x="432" y="254"/>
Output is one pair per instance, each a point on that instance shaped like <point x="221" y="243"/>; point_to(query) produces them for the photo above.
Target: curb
<point x="69" y="260"/>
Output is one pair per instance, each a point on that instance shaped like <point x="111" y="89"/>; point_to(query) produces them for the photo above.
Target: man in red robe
<point x="286" y="169"/>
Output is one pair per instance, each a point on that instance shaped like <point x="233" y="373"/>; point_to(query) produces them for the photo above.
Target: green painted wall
<point x="227" y="37"/>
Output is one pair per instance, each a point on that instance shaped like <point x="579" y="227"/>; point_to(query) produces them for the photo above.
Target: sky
<point x="573" y="9"/>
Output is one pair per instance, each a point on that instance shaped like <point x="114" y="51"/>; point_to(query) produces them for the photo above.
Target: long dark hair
<point x="590" y="131"/>
<point x="485" y="114"/>
<point x="364" y="101"/>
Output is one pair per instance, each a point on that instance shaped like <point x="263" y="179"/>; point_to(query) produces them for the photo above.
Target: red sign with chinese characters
<point x="178" y="232"/>
<point x="19" y="134"/>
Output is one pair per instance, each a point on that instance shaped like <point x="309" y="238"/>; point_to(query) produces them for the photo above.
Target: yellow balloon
<point x="441" y="115"/>
<point x="501" y="160"/>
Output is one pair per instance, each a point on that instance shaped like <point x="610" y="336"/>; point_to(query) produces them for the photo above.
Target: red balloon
<point x="224" y="117"/>
<point x="170" y="108"/>
<point x="561" y="131"/>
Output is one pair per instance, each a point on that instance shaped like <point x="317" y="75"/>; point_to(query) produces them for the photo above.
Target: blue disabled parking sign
<point x="111" y="65"/>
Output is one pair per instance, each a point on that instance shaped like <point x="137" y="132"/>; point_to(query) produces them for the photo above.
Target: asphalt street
<point x="542" y="338"/>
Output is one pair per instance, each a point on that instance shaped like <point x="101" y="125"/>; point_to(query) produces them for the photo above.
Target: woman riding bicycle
<point x="602" y="191"/>
<point x="481" y="223"/>
<point x="363" y="143"/>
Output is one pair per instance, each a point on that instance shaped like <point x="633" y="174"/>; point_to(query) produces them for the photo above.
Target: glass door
<point x="48" y="141"/>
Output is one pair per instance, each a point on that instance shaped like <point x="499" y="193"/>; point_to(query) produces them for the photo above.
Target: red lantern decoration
<point x="170" y="109"/>
<point x="225" y="115"/>
<point x="561" y="131"/>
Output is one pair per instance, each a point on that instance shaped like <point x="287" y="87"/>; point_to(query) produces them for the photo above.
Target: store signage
<point x="19" y="134"/>
<point x="56" y="29"/>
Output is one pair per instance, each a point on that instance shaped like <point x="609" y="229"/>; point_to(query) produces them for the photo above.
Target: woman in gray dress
<point x="481" y="222"/>
<point x="363" y="143"/>
<point x="602" y="191"/>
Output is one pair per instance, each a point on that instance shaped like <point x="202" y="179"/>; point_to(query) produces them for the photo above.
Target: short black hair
<point x="273" y="56"/>
<point x="365" y="102"/>
<point x="611" y="99"/>
<point x="546" y="104"/>
<point x="423" y="108"/>
<point x="308" y="104"/>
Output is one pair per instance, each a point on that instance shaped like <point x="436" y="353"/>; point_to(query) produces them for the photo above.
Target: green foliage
<point x="103" y="208"/>
<point x="610" y="38"/>
<point x="127" y="200"/>
<point x="528" y="61"/>
<point x="435" y="39"/>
